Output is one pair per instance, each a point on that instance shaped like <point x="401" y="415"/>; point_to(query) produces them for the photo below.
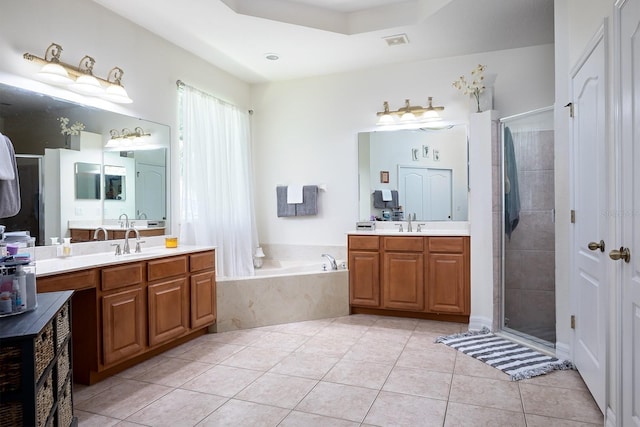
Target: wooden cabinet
<point x="86" y="235"/>
<point x="418" y="276"/>
<point x="134" y="310"/>
<point x="364" y="271"/>
<point x="123" y="325"/>
<point x="35" y="360"/>
<point x="449" y="275"/>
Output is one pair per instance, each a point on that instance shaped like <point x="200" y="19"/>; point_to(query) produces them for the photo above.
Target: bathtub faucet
<point x="332" y="261"/>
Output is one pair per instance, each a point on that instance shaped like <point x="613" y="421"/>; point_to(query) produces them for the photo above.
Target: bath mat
<point x="515" y="360"/>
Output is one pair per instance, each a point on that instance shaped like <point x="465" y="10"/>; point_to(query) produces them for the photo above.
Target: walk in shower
<point x="528" y="232"/>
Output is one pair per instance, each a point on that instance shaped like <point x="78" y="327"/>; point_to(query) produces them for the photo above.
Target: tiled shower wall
<point x="529" y="260"/>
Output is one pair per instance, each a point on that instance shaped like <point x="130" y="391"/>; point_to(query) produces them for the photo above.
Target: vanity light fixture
<point x="80" y="79"/>
<point x="126" y="138"/>
<point x="409" y="113"/>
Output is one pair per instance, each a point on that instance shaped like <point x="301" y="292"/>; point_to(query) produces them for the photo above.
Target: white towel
<point x="386" y="195"/>
<point x="294" y="194"/>
<point x="6" y="163"/>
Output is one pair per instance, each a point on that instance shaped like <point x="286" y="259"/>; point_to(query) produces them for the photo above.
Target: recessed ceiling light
<point x="396" y="40"/>
<point x="272" y="56"/>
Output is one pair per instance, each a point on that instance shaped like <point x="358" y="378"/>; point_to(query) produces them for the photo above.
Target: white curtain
<point x="216" y="180"/>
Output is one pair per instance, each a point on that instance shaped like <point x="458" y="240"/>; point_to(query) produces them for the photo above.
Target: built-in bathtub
<point x="282" y="291"/>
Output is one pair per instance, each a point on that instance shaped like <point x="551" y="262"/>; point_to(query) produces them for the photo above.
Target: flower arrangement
<point x="476" y="87"/>
<point x="74" y="129"/>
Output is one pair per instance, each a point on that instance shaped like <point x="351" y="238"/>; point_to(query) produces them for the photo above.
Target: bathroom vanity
<point x="129" y="308"/>
<point x="85" y="234"/>
<point x="410" y="275"/>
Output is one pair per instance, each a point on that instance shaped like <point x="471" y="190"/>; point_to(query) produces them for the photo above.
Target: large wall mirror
<point x="133" y="177"/>
<point x="421" y="172"/>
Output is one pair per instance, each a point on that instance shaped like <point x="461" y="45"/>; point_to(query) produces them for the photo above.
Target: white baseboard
<point x="478" y="322"/>
<point x="610" y="419"/>
<point x="563" y="351"/>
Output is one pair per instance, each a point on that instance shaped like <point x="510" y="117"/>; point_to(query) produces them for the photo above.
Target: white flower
<point x="74" y="129"/>
<point x="476" y="87"/>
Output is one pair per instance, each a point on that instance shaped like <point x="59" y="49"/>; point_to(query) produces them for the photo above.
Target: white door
<point x="629" y="196"/>
<point x="589" y="184"/>
<point x="150" y="191"/>
<point x="426" y="192"/>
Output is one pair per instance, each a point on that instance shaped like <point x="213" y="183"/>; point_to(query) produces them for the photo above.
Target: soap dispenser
<point x="66" y="246"/>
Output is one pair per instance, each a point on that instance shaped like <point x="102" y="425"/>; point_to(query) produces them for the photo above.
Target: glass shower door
<point x="528" y="238"/>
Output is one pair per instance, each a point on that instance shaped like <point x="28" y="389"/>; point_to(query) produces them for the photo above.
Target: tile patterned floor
<point x="349" y="371"/>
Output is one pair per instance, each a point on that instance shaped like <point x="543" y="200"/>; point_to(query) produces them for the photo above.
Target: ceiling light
<point x="80" y="79"/>
<point x="272" y="56"/>
<point x="409" y="113"/>
<point x="396" y="40"/>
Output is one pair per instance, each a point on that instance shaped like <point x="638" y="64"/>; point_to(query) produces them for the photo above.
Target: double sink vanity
<point x="424" y="274"/>
<point x="127" y="308"/>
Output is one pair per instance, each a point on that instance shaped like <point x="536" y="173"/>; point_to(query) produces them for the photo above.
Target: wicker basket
<point x="44" y="349"/>
<point x="44" y="401"/>
<point x="11" y="372"/>
<point x="63" y="367"/>
<point x="65" y="407"/>
<point x="62" y="325"/>
<point x="11" y="414"/>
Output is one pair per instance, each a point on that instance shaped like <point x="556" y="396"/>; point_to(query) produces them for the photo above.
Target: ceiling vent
<point x="396" y="40"/>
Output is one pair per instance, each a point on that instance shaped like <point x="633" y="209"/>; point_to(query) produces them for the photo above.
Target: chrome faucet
<point x="126" y="249"/>
<point x="95" y="233"/>
<point x="332" y="261"/>
<point x="409" y="228"/>
<point x="126" y="218"/>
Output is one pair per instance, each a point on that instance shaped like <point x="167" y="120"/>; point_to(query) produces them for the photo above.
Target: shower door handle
<point x="595" y="246"/>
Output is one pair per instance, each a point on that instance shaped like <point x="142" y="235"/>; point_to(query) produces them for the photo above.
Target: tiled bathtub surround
<point x="347" y="371"/>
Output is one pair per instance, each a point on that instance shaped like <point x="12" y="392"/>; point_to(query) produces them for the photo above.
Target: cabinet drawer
<point x="446" y="244"/>
<point x="364" y="242"/>
<point x="119" y="277"/>
<point x="166" y="267"/>
<point x="411" y="244"/>
<point x="202" y="261"/>
<point x="66" y="282"/>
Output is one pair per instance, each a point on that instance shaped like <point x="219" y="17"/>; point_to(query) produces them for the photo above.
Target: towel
<point x="386" y="195"/>
<point x="512" y="192"/>
<point x="284" y="209"/>
<point x="9" y="190"/>
<point x="294" y="194"/>
<point x="6" y="165"/>
<point x="309" y="206"/>
<point x="378" y="203"/>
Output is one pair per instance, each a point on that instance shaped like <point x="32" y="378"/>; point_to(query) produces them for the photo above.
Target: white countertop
<point x="428" y="228"/>
<point x="58" y="265"/>
<point x="389" y="232"/>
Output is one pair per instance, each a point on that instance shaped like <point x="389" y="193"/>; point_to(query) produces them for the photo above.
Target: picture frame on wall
<point x="384" y="177"/>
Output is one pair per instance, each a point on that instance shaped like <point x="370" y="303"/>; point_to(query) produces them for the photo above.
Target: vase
<point x="483" y="102"/>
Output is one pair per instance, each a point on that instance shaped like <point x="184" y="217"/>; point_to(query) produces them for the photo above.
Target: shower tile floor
<point x="356" y="370"/>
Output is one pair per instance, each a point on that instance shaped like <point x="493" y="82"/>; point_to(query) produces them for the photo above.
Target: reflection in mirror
<point x="421" y="172"/>
<point x="31" y="121"/>
<point x="114" y="182"/>
<point x="87" y="181"/>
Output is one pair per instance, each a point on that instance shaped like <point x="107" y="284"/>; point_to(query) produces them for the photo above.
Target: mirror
<point x="114" y="182"/>
<point x="31" y="121"/>
<point x="87" y="181"/>
<point x="427" y="169"/>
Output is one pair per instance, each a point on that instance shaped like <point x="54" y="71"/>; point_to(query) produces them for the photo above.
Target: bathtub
<point x="282" y="291"/>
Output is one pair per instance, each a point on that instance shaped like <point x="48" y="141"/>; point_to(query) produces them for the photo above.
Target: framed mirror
<point x="87" y="181"/>
<point x="422" y="172"/>
<point x="32" y="121"/>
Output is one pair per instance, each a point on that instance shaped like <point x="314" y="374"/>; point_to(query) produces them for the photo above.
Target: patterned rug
<point x="515" y="360"/>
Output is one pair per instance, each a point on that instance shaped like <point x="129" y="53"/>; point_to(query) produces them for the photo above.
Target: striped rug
<point x="515" y="360"/>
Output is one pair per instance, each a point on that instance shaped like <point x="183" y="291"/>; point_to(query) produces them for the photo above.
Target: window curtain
<point x="216" y="180"/>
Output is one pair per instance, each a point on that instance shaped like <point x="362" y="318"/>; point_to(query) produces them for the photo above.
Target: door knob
<point x="622" y="253"/>
<point x="595" y="246"/>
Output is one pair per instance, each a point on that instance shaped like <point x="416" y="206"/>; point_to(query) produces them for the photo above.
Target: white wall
<point x="305" y="131"/>
<point x="151" y="64"/>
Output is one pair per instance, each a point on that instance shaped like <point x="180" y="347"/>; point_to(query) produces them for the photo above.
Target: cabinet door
<point x="123" y="325"/>
<point x="364" y="279"/>
<point x="403" y="281"/>
<point x="168" y="310"/>
<point x="203" y="299"/>
<point x="447" y="284"/>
